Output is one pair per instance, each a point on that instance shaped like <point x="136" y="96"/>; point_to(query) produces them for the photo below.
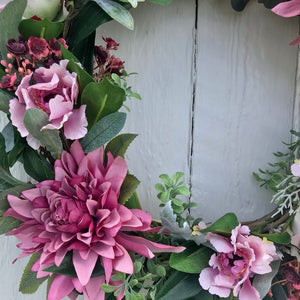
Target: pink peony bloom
<point x="54" y="91"/>
<point x="239" y="258"/>
<point x="79" y="213"/>
<point x="288" y="9"/>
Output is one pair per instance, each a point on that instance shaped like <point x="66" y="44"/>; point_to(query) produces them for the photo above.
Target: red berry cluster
<point x="24" y="57"/>
<point x="105" y="63"/>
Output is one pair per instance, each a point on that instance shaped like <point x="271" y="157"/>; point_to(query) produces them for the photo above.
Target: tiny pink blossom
<point x="53" y="90"/>
<point x="38" y="47"/>
<point x="79" y="213"/>
<point x="238" y="259"/>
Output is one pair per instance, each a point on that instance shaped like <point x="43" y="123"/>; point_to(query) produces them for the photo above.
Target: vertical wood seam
<point x="192" y="110"/>
<point x="296" y="100"/>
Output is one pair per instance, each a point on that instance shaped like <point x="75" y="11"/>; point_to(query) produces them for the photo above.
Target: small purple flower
<point x="17" y="48"/>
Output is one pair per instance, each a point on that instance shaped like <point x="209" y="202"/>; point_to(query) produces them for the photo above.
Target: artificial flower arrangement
<point x="81" y="223"/>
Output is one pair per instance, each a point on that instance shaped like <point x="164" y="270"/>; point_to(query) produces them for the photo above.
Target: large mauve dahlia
<point x="239" y="258"/>
<point x="79" y="213"/>
<point x="53" y="90"/>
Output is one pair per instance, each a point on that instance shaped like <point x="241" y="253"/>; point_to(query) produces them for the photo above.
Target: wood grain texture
<point x="244" y="105"/>
<point x="160" y="50"/>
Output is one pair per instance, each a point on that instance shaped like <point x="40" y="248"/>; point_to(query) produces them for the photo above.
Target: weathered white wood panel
<point x="244" y="105"/>
<point x="160" y="49"/>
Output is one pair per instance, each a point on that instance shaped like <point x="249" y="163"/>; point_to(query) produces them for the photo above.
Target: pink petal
<point x="221" y="243"/>
<point x="61" y="286"/>
<point x="123" y="263"/>
<point x="248" y="292"/>
<point x="75" y="126"/>
<point x="107" y="265"/>
<point x="93" y="288"/>
<point x="17" y="112"/>
<point x="59" y="107"/>
<point x="21" y="206"/>
<point x="84" y="268"/>
<point x="287" y="9"/>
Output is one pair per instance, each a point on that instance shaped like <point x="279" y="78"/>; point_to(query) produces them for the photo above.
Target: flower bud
<point x="42" y="8"/>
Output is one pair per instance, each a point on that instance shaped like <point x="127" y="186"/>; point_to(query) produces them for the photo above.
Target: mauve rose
<point x="238" y="259"/>
<point x="54" y="90"/>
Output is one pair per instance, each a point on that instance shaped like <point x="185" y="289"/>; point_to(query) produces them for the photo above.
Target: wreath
<point x="79" y="218"/>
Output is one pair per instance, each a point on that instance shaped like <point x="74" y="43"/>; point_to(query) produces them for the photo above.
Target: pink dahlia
<point x="79" y="213"/>
<point x="53" y="90"/>
<point x="239" y="258"/>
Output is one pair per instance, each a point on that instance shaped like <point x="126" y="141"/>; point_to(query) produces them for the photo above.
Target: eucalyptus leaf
<point x="10" y="18"/>
<point x="29" y="282"/>
<point x="8" y="134"/>
<point x="103" y="131"/>
<point x="18" y="148"/>
<point x="117" y="12"/>
<point x="128" y="187"/>
<point x="34" y="120"/>
<point x="3" y="156"/>
<point x="43" y="28"/>
<point x="4" y="97"/>
<point x="192" y="260"/>
<point x="119" y="145"/>
<point x="262" y="283"/>
<point x="8" y="223"/>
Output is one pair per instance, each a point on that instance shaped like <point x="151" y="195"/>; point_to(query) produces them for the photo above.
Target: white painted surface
<point x="243" y="108"/>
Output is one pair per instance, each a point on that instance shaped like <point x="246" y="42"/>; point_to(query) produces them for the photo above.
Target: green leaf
<point x="192" y="260"/>
<point x="4" y="98"/>
<point x="128" y="187"/>
<point x="8" y="223"/>
<point x="102" y="99"/>
<point x="278" y="238"/>
<point x="16" y="191"/>
<point x="10" y="18"/>
<point x="44" y="29"/>
<point x="3" y="156"/>
<point x="159" y="187"/>
<point x="83" y="77"/>
<point x="119" y="145"/>
<point x="133" y="202"/>
<point x="29" y="283"/>
<point x="18" y="148"/>
<point x="92" y="16"/>
<point x="117" y="12"/>
<point x="36" y="166"/>
<point x="66" y="54"/>
<point x="164" y="196"/>
<point x="180" y="286"/>
<point x="103" y="131"/>
<point x="107" y="288"/>
<point x="224" y="225"/>
<point x="34" y="120"/>
<point x="161" y="2"/>
<point x="182" y="190"/>
<point x="84" y="51"/>
<point x="7" y="180"/>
